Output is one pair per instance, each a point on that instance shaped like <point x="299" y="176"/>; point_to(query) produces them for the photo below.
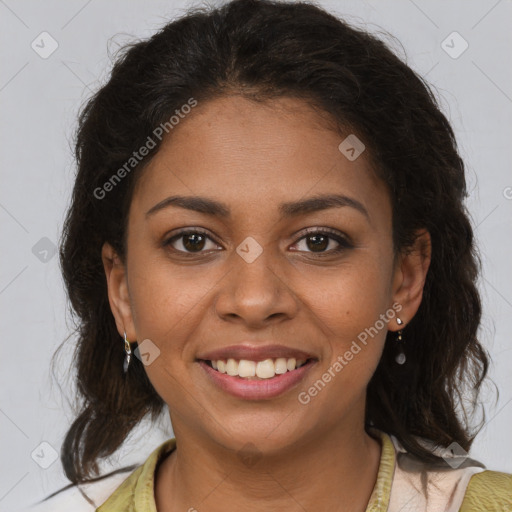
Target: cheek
<point x="166" y="302"/>
<point x="351" y="299"/>
<point x="165" y="309"/>
<point x="351" y="308"/>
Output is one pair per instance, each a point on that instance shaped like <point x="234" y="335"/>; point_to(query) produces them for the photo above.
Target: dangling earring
<point x="128" y="356"/>
<point x="400" y="357"/>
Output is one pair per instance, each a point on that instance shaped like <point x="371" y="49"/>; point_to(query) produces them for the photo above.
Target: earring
<point x="128" y="356"/>
<point x="400" y="357"/>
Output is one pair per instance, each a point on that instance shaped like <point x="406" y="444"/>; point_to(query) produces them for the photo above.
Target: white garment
<point x="423" y="487"/>
<point x="72" y="500"/>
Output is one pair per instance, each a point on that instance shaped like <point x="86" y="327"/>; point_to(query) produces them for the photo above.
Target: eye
<point x="319" y="240"/>
<point x="190" y="241"/>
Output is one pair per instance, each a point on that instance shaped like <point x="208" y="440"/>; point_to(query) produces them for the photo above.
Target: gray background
<point x="39" y="99"/>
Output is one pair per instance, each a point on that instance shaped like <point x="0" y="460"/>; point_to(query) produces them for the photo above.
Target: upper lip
<point x="254" y="353"/>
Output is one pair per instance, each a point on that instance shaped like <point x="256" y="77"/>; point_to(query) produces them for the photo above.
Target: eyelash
<point x="343" y="241"/>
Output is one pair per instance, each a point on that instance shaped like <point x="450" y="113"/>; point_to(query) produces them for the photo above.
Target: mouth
<point x="256" y="380"/>
<point x="256" y="370"/>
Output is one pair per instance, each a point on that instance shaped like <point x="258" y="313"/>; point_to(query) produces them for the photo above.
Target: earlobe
<point x="410" y="276"/>
<point x="118" y="296"/>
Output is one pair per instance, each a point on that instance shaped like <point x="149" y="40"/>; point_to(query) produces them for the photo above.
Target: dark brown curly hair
<point x="265" y="49"/>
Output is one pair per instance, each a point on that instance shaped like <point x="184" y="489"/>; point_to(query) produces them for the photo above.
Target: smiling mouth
<point x="256" y="370"/>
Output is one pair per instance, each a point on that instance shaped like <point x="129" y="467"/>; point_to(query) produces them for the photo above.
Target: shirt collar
<point x="379" y="499"/>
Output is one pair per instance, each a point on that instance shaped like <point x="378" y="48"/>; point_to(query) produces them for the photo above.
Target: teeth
<point x="232" y="367"/>
<point x="266" y="369"/>
<point x="262" y="369"/>
<point x="280" y="365"/>
<point x="247" y="368"/>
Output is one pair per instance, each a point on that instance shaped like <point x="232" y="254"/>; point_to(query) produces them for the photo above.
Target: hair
<point x="262" y="50"/>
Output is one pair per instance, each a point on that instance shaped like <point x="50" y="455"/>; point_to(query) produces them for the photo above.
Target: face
<point x="256" y="264"/>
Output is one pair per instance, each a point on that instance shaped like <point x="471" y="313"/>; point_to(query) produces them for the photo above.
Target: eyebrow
<point x="286" y="210"/>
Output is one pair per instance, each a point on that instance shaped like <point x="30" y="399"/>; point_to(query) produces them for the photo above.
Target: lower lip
<point x="257" y="389"/>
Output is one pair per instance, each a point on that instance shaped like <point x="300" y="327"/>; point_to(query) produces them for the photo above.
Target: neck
<point x="199" y="476"/>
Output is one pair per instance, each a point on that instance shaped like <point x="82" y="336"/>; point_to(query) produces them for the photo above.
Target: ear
<point x="118" y="295"/>
<point x="409" y="278"/>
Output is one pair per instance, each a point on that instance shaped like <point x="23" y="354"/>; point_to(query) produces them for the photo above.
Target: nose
<point x="256" y="293"/>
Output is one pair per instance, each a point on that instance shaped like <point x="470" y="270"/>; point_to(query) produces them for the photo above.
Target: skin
<point x="253" y="157"/>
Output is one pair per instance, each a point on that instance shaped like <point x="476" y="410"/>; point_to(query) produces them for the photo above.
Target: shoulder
<point x="459" y="484"/>
<point x="489" y="491"/>
<point x="113" y="492"/>
<point x="137" y="491"/>
<point x="81" y="498"/>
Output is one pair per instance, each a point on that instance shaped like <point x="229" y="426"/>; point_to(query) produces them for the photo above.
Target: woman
<point x="268" y="235"/>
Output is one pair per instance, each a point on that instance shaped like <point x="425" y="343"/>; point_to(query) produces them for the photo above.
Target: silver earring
<point x="128" y="356"/>
<point x="400" y="357"/>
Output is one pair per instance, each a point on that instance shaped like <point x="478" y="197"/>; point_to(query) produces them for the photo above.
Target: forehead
<point x="246" y="153"/>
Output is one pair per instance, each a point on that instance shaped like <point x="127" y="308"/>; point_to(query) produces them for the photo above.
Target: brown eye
<point x="193" y="242"/>
<point x="190" y="242"/>
<point x="317" y="242"/>
<point x="321" y="242"/>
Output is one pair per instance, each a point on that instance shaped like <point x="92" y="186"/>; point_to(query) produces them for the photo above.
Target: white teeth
<point x="246" y="368"/>
<point x="221" y="366"/>
<point x="262" y="369"/>
<point x="280" y="365"/>
<point x="265" y="369"/>
<point x="232" y="367"/>
<point x="290" y="364"/>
